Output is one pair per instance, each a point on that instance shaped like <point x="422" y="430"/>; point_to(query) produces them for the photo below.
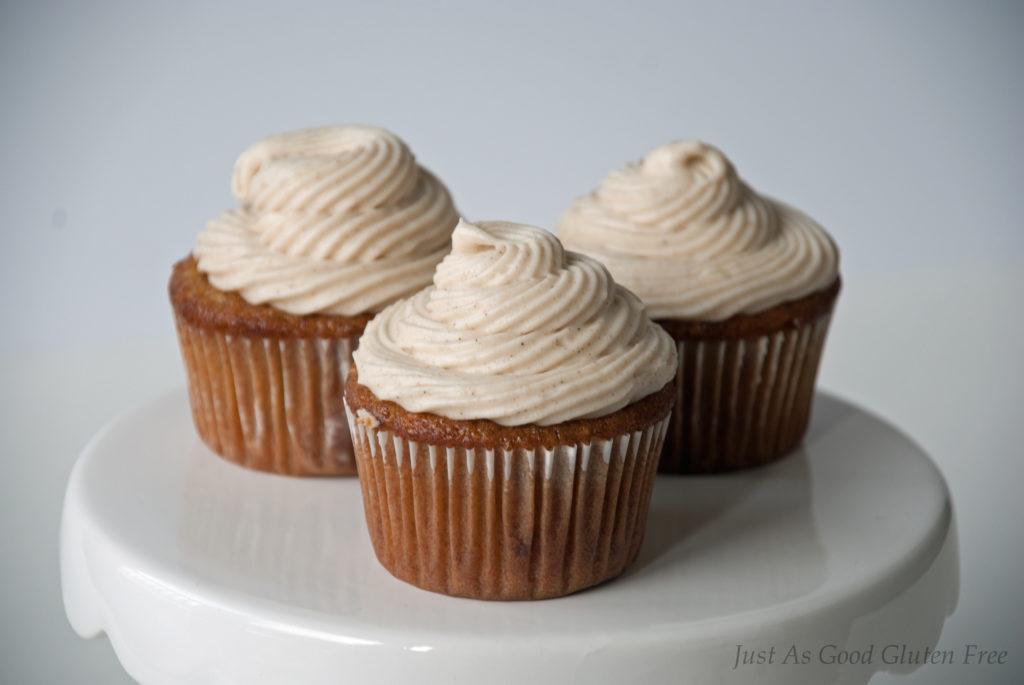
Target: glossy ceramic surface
<point x="202" y="572"/>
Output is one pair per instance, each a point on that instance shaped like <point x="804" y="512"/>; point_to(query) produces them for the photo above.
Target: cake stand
<point x="817" y="569"/>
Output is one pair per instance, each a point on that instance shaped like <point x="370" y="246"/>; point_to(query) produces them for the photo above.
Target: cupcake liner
<point x="743" y="402"/>
<point x="270" y="404"/>
<point x="505" y="523"/>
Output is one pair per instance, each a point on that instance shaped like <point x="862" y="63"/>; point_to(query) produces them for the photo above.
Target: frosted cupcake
<point x="744" y="284"/>
<point x="335" y="223"/>
<point x="507" y="420"/>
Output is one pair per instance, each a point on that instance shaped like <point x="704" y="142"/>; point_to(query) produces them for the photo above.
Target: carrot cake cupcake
<point x="507" y="420"/>
<point x="744" y="284"/>
<point x="334" y="224"/>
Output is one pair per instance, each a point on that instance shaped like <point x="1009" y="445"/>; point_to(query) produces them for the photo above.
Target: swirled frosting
<point x="517" y="330"/>
<point x="686" y="234"/>
<point x="333" y="220"/>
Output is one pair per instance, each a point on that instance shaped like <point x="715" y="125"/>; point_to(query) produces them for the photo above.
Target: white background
<point x="897" y="125"/>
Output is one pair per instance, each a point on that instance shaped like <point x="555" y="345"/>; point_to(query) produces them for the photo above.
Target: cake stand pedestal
<point x="837" y="562"/>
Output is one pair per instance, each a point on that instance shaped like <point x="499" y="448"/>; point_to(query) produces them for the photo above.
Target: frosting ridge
<point x="517" y="330"/>
<point x="684" y="232"/>
<point x="333" y="220"/>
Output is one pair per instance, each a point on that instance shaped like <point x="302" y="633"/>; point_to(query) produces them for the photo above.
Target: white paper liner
<point x="745" y="402"/>
<point x="270" y="404"/>
<point x="506" y="524"/>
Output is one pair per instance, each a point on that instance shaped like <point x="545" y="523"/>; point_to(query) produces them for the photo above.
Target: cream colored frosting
<point x="333" y="220"/>
<point x="694" y="241"/>
<point x="517" y="330"/>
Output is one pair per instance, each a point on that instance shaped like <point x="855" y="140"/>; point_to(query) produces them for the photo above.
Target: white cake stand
<point x="201" y="572"/>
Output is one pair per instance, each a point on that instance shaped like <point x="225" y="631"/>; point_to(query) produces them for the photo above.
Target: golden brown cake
<point x="475" y="509"/>
<point x="507" y="420"/>
<point x="745" y="384"/>
<point x="265" y="386"/>
<point x="334" y="223"/>
<point x="743" y="283"/>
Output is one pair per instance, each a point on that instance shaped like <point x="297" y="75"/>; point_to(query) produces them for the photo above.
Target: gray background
<point x="896" y="125"/>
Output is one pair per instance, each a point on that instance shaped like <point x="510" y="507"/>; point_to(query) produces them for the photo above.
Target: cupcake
<point x="507" y="420"/>
<point x="744" y="284"/>
<point x="334" y="224"/>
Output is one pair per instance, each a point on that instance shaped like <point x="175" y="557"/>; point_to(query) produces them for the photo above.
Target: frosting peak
<point x="517" y="330"/>
<point x="652" y="190"/>
<point x="683" y="231"/>
<point x="499" y="254"/>
<point x="324" y="170"/>
<point x="336" y="220"/>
